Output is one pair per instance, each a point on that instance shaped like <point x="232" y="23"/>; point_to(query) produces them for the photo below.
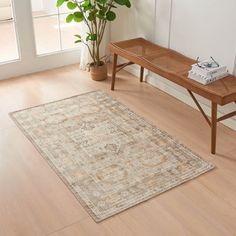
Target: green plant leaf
<point x="60" y="2"/>
<point x="123" y="3"/>
<point x="71" y="5"/>
<point x="101" y="13"/>
<point x="85" y="9"/>
<point x="111" y="16"/>
<point x="78" y="14"/>
<point x="96" y="12"/>
<point x="100" y="16"/>
<point x="128" y="4"/>
<point x="86" y="3"/>
<point x="91" y="37"/>
<point x="78" y="19"/>
<point x="92" y="15"/>
<point x="120" y="2"/>
<point x="69" y="18"/>
<point x="100" y="6"/>
<point x="103" y="10"/>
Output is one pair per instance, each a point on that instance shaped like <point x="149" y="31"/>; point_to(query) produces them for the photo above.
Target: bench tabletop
<point x="174" y="67"/>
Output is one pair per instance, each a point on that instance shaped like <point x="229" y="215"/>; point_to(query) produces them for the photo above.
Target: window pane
<point x="47" y="36"/>
<point x="64" y="9"/>
<point x="51" y="35"/>
<point x="68" y="30"/>
<point x="5" y="10"/>
<point x="43" y="7"/>
<point x="8" y="43"/>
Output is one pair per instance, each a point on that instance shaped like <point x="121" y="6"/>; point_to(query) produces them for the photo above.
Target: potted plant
<point x="95" y="14"/>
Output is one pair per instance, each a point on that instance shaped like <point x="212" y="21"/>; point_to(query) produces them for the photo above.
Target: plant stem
<point x="96" y="25"/>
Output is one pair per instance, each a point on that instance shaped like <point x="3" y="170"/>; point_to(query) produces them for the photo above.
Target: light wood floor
<point x="34" y="201"/>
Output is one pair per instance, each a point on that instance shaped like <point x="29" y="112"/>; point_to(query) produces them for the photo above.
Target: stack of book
<point x="208" y="71"/>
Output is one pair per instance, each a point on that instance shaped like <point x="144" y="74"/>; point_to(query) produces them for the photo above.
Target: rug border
<point x="59" y="100"/>
<point x="76" y="195"/>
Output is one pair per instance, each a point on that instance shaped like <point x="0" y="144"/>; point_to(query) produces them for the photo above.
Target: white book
<point x="205" y="80"/>
<point x="199" y="71"/>
<point x="202" y="69"/>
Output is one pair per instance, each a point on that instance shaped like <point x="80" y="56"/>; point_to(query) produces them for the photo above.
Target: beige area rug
<point x="109" y="157"/>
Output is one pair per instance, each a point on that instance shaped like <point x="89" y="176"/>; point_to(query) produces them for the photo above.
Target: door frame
<point x="29" y="61"/>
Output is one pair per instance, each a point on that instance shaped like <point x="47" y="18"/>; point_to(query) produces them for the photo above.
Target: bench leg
<point x="213" y="127"/>
<point x="141" y="74"/>
<point x="114" y="71"/>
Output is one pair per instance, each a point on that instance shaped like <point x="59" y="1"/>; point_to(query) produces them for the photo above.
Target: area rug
<point x="108" y="156"/>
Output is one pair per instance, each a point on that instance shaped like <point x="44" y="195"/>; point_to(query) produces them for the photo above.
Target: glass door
<point x="52" y="33"/>
<point x="8" y="38"/>
<point x="34" y="36"/>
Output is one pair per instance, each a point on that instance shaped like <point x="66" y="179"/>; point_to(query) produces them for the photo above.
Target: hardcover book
<point x="208" y="69"/>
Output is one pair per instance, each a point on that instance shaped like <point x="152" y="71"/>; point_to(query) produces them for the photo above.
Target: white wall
<point x="203" y="28"/>
<point x="193" y="27"/>
<point x="134" y="22"/>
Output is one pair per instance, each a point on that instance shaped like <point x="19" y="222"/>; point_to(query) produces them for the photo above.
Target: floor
<point x="34" y="201"/>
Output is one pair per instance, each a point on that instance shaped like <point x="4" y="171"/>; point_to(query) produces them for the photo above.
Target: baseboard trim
<point x="179" y="93"/>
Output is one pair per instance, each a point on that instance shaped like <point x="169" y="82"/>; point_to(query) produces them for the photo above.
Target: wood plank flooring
<point x="34" y="201"/>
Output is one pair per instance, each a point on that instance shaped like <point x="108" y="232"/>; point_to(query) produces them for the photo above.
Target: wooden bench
<point x="174" y="67"/>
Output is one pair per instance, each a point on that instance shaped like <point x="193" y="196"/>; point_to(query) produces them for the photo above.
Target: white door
<point x="34" y="37"/>
<point x="8" y="39"/>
